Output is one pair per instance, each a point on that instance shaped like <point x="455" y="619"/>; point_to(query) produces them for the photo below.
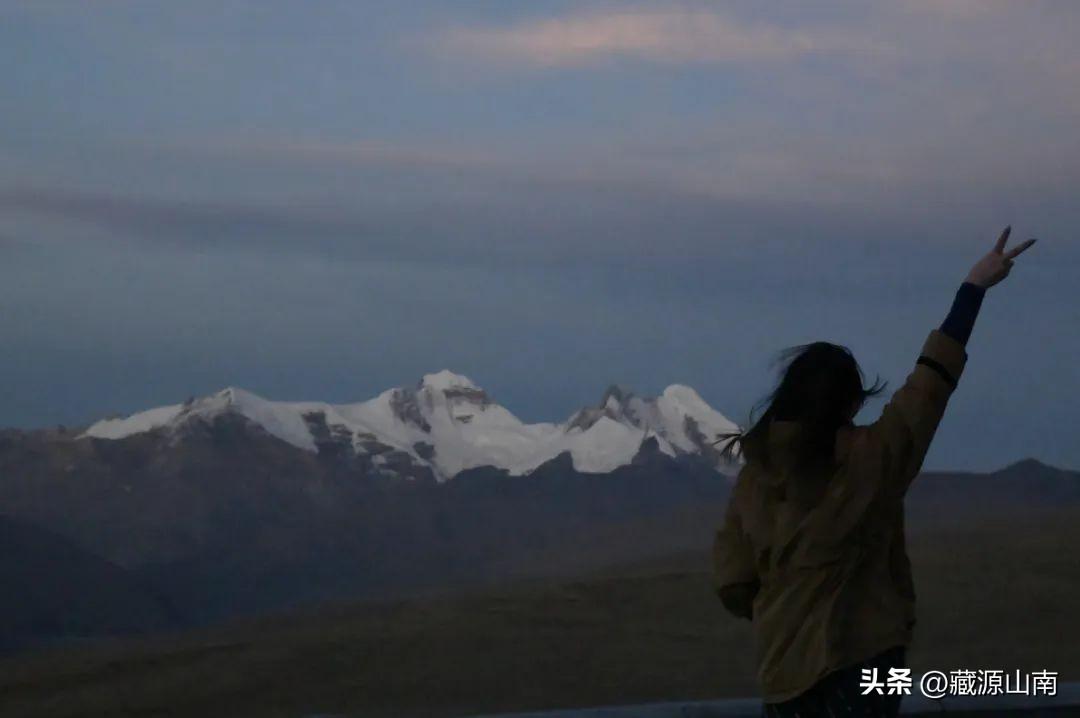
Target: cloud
<point x="668" y="36"/>
<point x="191" y="224"/>
<point x="358" y="152"/>
<point x="373" y="200"/>
<point x="959" y="9"/>
<point x="150" y="215"/>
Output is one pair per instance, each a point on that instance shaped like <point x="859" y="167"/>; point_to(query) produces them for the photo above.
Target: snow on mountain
<point x="449" y="424"/>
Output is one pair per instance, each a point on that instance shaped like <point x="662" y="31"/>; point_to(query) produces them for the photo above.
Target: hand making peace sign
<point x="996" y="265"/>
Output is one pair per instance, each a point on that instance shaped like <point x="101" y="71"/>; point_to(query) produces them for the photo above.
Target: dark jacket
<point x="828" y="583"/>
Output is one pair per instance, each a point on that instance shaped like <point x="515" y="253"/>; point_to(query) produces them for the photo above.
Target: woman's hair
<point x="819" y="384"/>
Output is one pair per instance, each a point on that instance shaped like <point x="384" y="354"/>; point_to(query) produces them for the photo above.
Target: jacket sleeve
<point x="735" y="573"/>
<point x="911" y="417"/>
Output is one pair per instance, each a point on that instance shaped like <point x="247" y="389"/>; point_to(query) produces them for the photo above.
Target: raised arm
<point x="910" y="419"/>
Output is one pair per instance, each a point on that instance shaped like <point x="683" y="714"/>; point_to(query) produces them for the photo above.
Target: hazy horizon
<point x="548" y="198"/>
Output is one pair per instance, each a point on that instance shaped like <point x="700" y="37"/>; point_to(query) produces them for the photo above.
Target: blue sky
<point x="323" y="200"/>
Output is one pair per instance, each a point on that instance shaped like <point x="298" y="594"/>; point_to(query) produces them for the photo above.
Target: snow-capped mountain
<point x="448" y="424"/>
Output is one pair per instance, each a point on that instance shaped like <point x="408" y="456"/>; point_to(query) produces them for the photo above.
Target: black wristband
<point x="965" y="308"/>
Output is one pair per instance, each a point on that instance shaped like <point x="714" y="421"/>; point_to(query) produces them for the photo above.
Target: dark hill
<point x="55" y="591"/>
<point x="1000" y="595"/>
<point x="226" y="521"/>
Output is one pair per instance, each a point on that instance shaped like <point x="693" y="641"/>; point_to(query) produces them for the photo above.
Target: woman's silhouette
<point x="812" y="546"/>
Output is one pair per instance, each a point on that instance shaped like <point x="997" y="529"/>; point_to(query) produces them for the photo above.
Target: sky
<point x="322" y="200"/>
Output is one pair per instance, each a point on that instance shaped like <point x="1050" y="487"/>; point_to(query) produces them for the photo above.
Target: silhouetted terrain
<point x="53" y="590"/>
<point x="233" y="522"/>
<point x="1016" y="490"/>
<point x="1000" y="594"/>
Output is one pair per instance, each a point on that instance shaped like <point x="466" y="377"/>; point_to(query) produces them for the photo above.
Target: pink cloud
<point x="672" y="36"/>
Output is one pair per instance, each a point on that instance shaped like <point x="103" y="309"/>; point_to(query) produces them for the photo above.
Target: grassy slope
<point x="1002" y="595"/>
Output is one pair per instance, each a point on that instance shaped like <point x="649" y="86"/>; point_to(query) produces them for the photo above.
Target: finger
<point x="1015" y="251"/>
<point x="1000" y="246"/>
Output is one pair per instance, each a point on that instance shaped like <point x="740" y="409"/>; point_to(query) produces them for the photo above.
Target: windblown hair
<point x="819" y="384"/>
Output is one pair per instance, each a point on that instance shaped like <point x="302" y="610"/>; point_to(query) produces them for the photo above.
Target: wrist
<point x="974" y="285"/>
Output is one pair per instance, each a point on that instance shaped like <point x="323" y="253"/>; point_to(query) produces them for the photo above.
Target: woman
<point x="812" y="547"/>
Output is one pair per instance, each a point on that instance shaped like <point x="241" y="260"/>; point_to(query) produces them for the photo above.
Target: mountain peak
<point x="232" y="394"/>
<point x="616" y="393"/>
<point x="446" y="379"/>
<point x="1029" y="465"/>
<point x="682" y="391"/>
<point x="446" y="424"/>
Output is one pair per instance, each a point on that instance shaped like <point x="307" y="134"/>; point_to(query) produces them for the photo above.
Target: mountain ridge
<point x="223" y="520"/>
<point x="446" y="424"/>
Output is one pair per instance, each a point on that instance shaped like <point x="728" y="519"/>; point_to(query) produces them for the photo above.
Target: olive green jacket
<point x="827" y="581"/>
